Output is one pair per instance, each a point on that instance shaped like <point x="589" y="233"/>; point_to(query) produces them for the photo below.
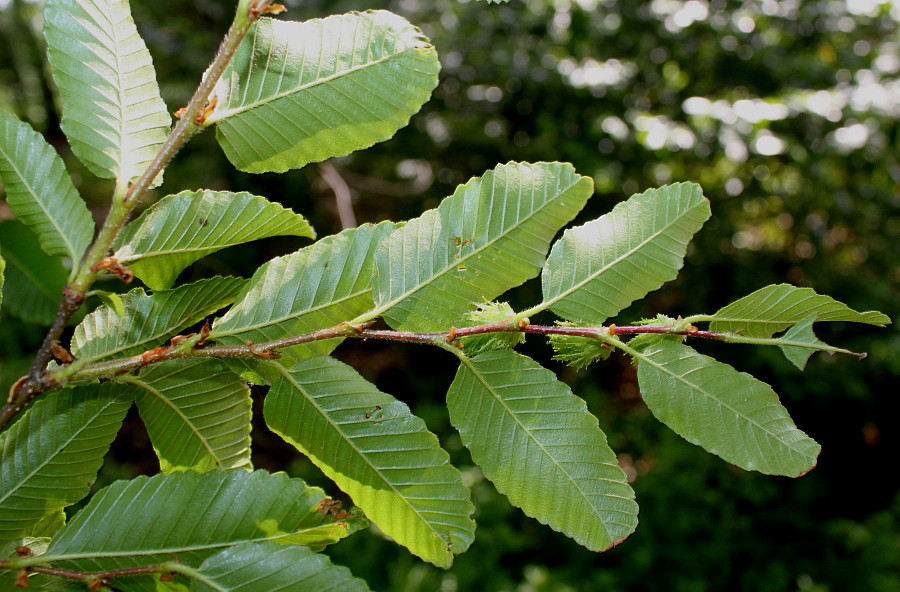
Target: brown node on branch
<point x="451" y="335"/>
<point x="112" y="265"/>
<point x="72" y="297"/>
<point x="62" y="355"/>
<point x="15" y="389"/>
<point x="22" y="578"/>
<point x="262" y="353"/>
<point x="206" y="111"/>
<point x="264" y="7"/>
<point x="612" y="329"/>
<point x="153" y="355"/>
<point x="167" y="576"/>
<point x="95" y="585"/>
<point x="23" y="551"/>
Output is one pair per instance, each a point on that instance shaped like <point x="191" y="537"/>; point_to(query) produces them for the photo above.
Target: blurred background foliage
<point x="785" y="111"/>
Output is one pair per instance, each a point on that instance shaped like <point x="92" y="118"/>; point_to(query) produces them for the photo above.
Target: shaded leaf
<point x="186" y="515"/>
<point x="113" y="115"/>
<point x="320" y="286"/>
<point x="297" y="93"/>
<point x="729" y="413"/>
<point x="254" y="567"/>
<point x="491" y="235"/>
<point x="2" y="276"/>
<point x="540" y="446"/>
<point x="197" y="414"/>
<point x="596" y="270"/>
<point x="377" y="452"/>
<point x="34" y="279"/>
<point x="51" y="455"/>
<point x="40" y="193"/>
<point x="183" y="228"/>
<point x="779" y="306"/>
<point x="149" y="318"/>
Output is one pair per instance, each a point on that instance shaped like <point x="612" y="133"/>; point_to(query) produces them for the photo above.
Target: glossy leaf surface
<point x="540" y="446"/>
<point x="729" y="413"/>
<point x="191" y="516"/>
<point x="297" y="93"/>
<point x="777" y="307"/>
<point x="596" y="270"/>
<point x="51" y="455"/>
<point x="197" y="414"/>
<point x="40" y="193"/>
<point x="113" y="115"/>
<point x="268" y="566"/>
<point x="149" y="319"/>
<point x="491" y="235"/>
<point x="317" y="287"/>
<point x="183" y="228"/>
<point x="378" y="452"/>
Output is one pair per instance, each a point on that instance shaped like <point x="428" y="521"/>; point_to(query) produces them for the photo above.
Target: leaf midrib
<point x="608" y="266"/>
<point x="454" y="263"/>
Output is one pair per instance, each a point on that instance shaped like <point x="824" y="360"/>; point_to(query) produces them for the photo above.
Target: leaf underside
<point x="777" y="307"/>
<point x="113" y="115"/>
<point x="491" y="235"/>
<point x="320" y="286"/>
<point x="297" y="93"/>
<point x="729" y="413"/>
<point x="597" y="270"/>
<point x="52" y="454"/>
<point x="376" y="451"/>
<point x="540" y="446"/>
<point x="149" y="319"/>
<point x="183" y="228"/>
<point x="197" y="414"/>
<point x="40" y="193"/>
<point x="187" y="515"/>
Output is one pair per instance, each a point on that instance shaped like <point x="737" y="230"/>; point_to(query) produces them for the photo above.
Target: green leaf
<point x="777" y="307"/>
<point x="183" y="228"/>
<point x="40" y="193"/>
<point x="596" y="270"/>
<point x="197" y="414"/>
<point x="113" y="115"/>
<point x="317" y="287"/>
<point x="491" y="312"/>
<point x="34" y="279"/>
<point x="377" y="452"/>
<point x="52" y="454"/>
<point x="271" y="567"/>
<point x="578" y="352"/>
<point x="2" y="275"/>
<point x="729" y="413"/>
<point x="297" y="93"/>
<point x="149" y="318"/>
<point x="186" y="515"/>
<point x="800" y="342"/>
<point x="540" y="446"/>
<point x="491" y="235"/>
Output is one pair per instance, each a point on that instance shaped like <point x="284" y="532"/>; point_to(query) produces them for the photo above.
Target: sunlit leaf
<point x="777" y="307"/>
<point x="183" y="228"/>
<point x="255" y="567"/>
<point x="51" y="455"/>
<point x="377" y="452"/>
<point x="40" y="193"/>
<point x="729" y="413"/>
<point x="540" y="446"/>
<point x="197" y="414"/>
<point x="297" y="93"/>
<point x="186" y="515"/>
<point x="113" y="115"/>
<point x="491" y="235"/>
<point x="34" y="280"/>
<point x="596" y="270"/>
<point x="149" y="319"/>
<point x="320" y="286"/>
